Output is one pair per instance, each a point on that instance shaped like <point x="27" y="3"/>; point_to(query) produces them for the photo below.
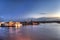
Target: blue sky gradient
<point x="28" y="8"/>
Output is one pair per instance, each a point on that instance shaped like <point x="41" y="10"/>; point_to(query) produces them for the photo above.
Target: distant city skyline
<point x="14" y="9"/>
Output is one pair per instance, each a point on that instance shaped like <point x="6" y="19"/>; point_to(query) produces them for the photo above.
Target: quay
<point x="14" y="24"/>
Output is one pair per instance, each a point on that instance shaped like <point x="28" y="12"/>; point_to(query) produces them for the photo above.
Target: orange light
<point x="11" y="23"/>
<point x="18" y="24"/>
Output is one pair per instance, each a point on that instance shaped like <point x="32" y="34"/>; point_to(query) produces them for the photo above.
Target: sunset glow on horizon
<point x="45" y="15"/>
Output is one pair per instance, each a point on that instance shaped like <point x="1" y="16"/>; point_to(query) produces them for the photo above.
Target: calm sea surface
<point x="47" y="31"/>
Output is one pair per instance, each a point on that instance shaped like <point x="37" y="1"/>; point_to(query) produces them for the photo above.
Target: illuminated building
<point x="18" y="24"/>
<point x="11" y="23"/>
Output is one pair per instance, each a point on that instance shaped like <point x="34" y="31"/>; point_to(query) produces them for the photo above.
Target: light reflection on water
<point x="47" y="31"/>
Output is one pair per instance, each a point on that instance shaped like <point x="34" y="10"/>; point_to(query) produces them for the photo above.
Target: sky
<point x="15" y="9"/>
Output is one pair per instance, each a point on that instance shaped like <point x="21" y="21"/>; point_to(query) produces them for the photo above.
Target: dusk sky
<point x="29" y="8"/>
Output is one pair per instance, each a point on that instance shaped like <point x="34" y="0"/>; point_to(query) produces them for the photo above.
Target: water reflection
<point x="32" y="32"/>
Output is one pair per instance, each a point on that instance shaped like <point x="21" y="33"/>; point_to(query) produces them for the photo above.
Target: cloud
<point x="43" y="13"/>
